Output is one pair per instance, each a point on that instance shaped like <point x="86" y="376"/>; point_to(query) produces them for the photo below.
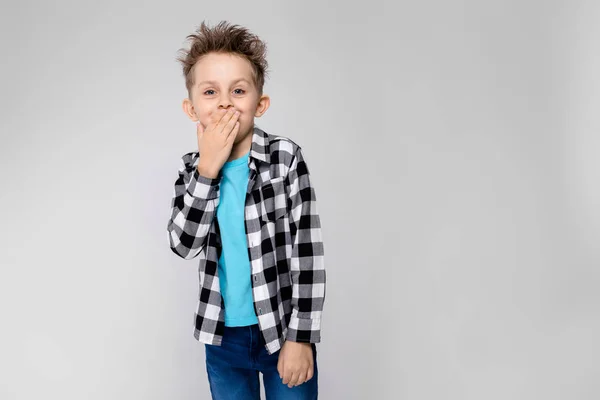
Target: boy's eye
<point x="239" y="91"/>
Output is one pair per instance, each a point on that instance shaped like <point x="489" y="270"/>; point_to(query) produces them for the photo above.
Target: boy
<point x="245" y="205"/>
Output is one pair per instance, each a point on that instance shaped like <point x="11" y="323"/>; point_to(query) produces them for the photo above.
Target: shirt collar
<point x="260" y="145"/>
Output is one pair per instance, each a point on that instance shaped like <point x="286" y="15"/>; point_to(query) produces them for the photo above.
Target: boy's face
<point x="224" y="80"/>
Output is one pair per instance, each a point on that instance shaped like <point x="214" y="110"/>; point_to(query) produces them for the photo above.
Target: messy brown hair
<point x="224" y="38"/>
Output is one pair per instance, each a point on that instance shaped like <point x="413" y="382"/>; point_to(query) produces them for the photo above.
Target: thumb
<point x="199" y="129"/>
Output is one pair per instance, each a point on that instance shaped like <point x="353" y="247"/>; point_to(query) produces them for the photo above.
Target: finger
<point x="293" y="380"/>
<point x="215" y="118"/>
<point x="199" y="129"/>
<point x="310" y="374"/>
<point x="231" y="134"/>
<point x="223" y="122"/>
<point x="287" y="376"/>
<point x="218" y="115"/>
<point x="228" y="121"/>
<point x="301" y="379"/>
<point x="231" y="124"/>
<point x="230" y="139"/>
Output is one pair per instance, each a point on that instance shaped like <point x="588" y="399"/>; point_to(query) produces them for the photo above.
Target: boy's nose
<point x="225" y="103"/>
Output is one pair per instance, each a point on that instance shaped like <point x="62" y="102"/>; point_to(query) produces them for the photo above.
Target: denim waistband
<point x="245" y="335"/>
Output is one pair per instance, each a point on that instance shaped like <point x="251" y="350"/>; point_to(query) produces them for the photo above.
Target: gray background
<point x="453" y="147"/>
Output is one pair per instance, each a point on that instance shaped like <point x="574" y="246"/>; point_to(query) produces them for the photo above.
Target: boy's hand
<point x="216" y="141"/>
<point x="295" y="363"/>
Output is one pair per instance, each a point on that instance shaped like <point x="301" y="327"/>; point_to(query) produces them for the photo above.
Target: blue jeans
<point x="233" y="369"/>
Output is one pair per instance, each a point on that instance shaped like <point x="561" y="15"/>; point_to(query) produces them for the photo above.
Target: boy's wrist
<point x="206" y="172"/>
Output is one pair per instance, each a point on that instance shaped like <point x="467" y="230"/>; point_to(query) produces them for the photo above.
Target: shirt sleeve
<point x="193" y="208"/>
<point x="307" y="263"/>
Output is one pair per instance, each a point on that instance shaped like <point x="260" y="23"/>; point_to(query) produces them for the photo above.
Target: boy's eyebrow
<point x="215" y="83"/>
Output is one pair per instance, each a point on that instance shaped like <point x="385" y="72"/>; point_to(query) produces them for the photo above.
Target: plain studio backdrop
<point x="453" y="147"/>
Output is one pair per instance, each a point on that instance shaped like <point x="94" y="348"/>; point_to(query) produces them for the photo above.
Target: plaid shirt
<point x="283" y="232"/>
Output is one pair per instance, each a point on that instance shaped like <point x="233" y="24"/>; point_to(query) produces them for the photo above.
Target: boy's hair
<point x="224" y="38"/>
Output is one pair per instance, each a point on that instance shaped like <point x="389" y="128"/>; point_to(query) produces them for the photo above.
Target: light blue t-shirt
<point x="234" y="264"/>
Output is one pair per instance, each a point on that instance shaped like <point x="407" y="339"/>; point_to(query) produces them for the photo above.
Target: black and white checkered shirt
<point x="285" y="246"/>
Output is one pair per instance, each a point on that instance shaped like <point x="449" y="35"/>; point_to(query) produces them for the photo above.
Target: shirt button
<point x="260" y="311"/>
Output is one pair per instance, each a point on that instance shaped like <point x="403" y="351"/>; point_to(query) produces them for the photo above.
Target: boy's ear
<point x="263" y="105"/>
<point x="188" y="109"/>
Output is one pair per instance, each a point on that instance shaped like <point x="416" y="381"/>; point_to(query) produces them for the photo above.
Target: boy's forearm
<point x="308" y="277"/>
<point x="193" y="208"/>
